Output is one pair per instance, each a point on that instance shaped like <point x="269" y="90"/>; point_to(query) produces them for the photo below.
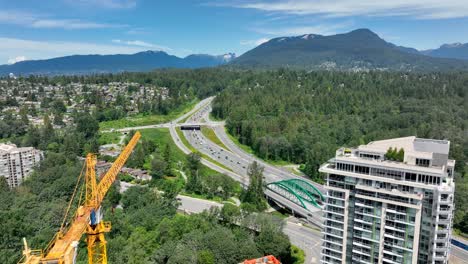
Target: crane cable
<point x="73" y="197"/>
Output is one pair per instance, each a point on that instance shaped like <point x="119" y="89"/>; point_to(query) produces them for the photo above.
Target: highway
<point x="234" y="157"/>
<point x="237" y="161"/>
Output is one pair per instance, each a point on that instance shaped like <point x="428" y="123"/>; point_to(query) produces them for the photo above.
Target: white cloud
<point x="140" y="43"/>
<point x="255" y="43"/>
<point x="70" y="24"/>
<point x="32" y="49"/>
<point x="420" y="9"/>
<point x="14" y="17"/>
<point x="17" y="59"/>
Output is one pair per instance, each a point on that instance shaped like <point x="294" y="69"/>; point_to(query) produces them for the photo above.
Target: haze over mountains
<point x="357" y="50"/>
<point x="87" y="64"/>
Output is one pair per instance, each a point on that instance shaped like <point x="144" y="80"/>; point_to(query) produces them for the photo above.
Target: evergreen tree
<point x="168" y="159"/>
<point x="254" y="193"/>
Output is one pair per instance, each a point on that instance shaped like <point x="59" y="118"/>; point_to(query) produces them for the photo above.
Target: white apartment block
<point x="17" y="163"/>
<point x="384" y="211"/>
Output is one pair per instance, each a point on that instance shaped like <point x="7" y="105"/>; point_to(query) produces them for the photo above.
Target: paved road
<point x="238" y="160"/>
<point x="195" y="205"/>
<point x="305" y="238"/>
<point x="233" y="157"/>
<point x="199" y="105"/>
<point x="458" y="255"/>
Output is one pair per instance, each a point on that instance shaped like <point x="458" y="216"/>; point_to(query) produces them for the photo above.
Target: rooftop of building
<point x="416" y="152"/>
<point x="421" y="146"/>
<point x="9" y="148"/>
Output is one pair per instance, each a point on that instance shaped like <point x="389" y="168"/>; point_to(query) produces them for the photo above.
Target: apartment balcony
<point x="395" y="228"/>
<point x="441" y="246"/>
<point x="364" y="213"/>
<point x="445" y="202"/>
<point x="444" y="221"/>
<point x="329" y="260"/>
<point x="358" y="244"/>
<point x="367" y="237"/>
<point x="394" y="236"/>
<point x="333" y="225"/>
<point x="333" y="211"/>
<point x="441" y="240"/>
<point x="445" y="212"/>
<point x="363" y="229"/>
<point x="366" y="253"/>
<point x="332" y="232"/>
<point x="370" y="206"/>
<point x="390" y="261"/>
<point x="341" y="198"/>
<point x="363" y="221"/>
<point x="396" y="212"/>
<point x="442" y="230"/>
<point x="440" y="256"/>
<point x="334" y="247"/>
<point x="331" y="254"/>
<point x="359" y="259"/>
<point x="335" y="204"/>
<point x="332" y="240"/>
<point x="391" y="253"/>
<point x="335" y="221"/>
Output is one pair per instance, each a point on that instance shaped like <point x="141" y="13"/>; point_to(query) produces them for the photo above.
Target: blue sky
<point x="31" y="29"/>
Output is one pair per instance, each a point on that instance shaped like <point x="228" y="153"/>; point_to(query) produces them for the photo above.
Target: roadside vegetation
<point x="194" y="150"/>
<point x="211" y="135"/>
<point x="148" y="119"/>
<point x="302" y="118"/>
<point x="109" y="138"/>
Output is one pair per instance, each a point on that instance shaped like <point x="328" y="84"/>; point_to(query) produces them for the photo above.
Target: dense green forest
<point x="146" y="229"/>
<point x="146" y="225"/>
<point x="295" y="116"/>
<point x="304" y="117"/>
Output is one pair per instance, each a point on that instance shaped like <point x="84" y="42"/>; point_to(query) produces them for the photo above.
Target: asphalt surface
<point x="458" y="255"/>
<point x="237" y="160"/>
<point x="233" y="157"/>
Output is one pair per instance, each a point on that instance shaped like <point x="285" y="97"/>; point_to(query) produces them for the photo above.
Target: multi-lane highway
<point x="233" y="157"/>
<point x="237" y="161"/>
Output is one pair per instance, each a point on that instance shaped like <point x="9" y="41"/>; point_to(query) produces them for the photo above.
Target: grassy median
<point x="209" y="133"/>
<point x="192" y="149"/>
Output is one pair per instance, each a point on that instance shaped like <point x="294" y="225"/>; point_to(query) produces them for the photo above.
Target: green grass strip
<point x="211" y="135"/>
<point x="192" y="149"/>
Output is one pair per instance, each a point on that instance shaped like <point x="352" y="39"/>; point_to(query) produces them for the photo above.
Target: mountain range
<point x="87" y="64"/>
<point x="358" y="50"/>
<point x="455" y="51"/>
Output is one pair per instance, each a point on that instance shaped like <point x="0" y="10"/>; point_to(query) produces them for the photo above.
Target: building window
<point x="423" y="162"/>
<point x="410" y="176"/>
<point x="362" y="169"/>
<point x="345" y="167"/>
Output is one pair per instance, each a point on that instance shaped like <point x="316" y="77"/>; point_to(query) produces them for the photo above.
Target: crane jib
<point x="64" y="245"/>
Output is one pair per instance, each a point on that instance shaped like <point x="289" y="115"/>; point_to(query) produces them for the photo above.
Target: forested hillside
<point x="304" y="117"/>
<point x="146" y="227"/>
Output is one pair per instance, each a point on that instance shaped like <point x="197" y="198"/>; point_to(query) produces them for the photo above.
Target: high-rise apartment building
<point x="17" y="163"/>
<point x="390" y="201"/>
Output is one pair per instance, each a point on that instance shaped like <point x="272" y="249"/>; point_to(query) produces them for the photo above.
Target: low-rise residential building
<point x="387" y="208"/>
<point x="17" y="163"/>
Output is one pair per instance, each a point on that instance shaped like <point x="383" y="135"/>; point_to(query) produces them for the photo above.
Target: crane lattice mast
<point x="87" y="220"/>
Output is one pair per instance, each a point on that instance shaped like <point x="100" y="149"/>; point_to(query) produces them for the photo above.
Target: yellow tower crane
<point x="87" y="220"/>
